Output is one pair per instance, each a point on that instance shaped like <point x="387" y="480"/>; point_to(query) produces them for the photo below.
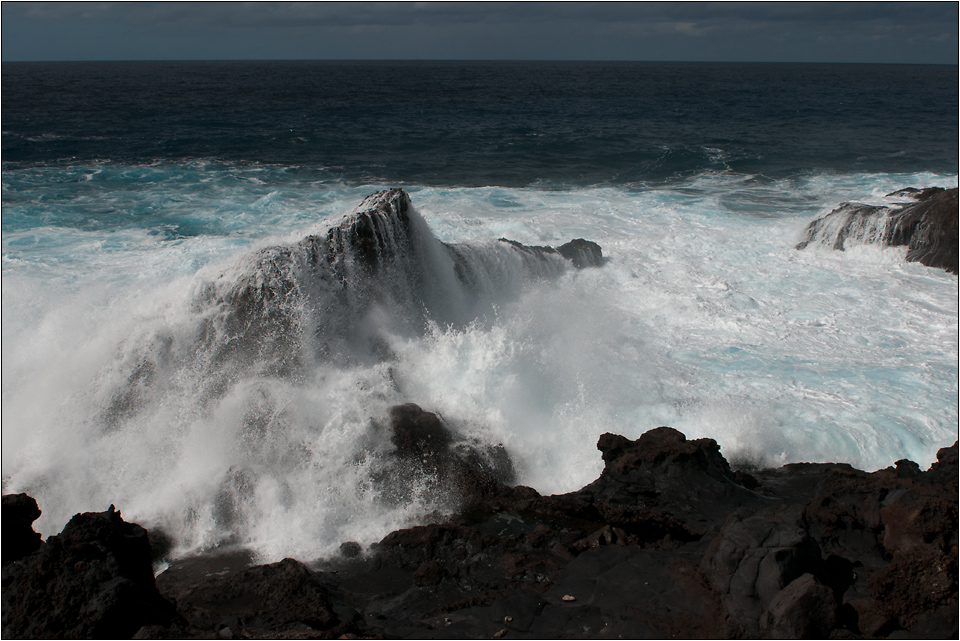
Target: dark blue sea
<point x="133" y="190"/>
<point x="475" y="124"/>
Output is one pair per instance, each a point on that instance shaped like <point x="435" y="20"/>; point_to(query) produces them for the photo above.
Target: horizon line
<point x="479" y="60"/>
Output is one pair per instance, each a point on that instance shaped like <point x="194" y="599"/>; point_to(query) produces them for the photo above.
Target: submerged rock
<point x="928" y="226"/>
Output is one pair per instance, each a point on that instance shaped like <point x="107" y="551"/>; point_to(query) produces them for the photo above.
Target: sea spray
<point x="702" y="317"/>
<point x="254" y="402"/>
<point x="134" y="374"/>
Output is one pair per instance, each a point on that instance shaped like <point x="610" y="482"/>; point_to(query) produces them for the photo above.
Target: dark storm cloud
<point x="833" y="31"/>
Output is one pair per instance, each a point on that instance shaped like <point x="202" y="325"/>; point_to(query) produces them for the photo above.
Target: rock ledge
<point x="669" y="541"/>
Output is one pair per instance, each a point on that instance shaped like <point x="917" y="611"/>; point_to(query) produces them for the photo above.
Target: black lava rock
<point x="19" y="539"/>
<point x="928" y="226"/>
<point x="93" y="580"/>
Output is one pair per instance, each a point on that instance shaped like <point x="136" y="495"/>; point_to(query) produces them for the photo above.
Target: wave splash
<point x="258" y="416"/>
<point x="335" y="297"/>
<point x="147" y="373"/>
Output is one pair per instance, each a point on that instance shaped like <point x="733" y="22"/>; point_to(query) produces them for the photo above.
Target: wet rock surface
<point x="381" y="253"/>
<point x="668" y="542"/>
<point x="928" y="226"/>
<point x="581" y="253"/>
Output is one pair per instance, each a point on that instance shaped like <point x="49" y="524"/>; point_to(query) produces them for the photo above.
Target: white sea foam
<point x="705" y="318"/>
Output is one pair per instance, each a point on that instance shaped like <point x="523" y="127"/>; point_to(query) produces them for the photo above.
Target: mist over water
<point x="704" y="318"/>
<point x="129" y="376"/>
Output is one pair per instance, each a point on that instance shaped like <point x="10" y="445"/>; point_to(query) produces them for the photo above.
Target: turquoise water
<point x="704" y="316"/>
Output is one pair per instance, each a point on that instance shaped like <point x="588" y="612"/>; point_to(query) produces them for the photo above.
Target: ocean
<point x="132" y="190"/>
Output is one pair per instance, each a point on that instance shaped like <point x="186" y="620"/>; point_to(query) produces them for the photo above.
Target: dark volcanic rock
<point x="752" y="559"/>
<point x="279" y="600"/>
<point x="663" y="471"/>
<point x="790" y="553"/>
<point x="582" y="253"/>
<point x="19" y="539"/>
<point x="318" y="297"/>
<point x="669" y="542"/>
<point x="93" y="580"/>
<point x="627" y="592"/>
<point x="419" y="435"/>
<point x="337" y="295"/>
<point x="928" y="227"/>
<point x="805" y="609"/>
<point x="382" y="252"/>
<point x="429" y="455"/>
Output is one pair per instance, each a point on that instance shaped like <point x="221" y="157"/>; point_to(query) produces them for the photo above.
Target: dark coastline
<point x="669" y="541"/>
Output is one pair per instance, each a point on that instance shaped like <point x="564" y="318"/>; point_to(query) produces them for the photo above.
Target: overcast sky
<point x="751" y="32"/>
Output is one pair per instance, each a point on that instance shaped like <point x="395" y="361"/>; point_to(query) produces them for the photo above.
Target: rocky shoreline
<point x="669" y="541"/>
<point x="925" y="221"/>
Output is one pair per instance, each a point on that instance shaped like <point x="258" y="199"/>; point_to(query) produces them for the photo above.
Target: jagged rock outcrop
<point x="431" y="457"/>
<point x="334" y="294"/>
<point x="669" y="542"/>
<point x="581" y="253"/>
<point x="19" y="539"/>
<point x="93" y="580"/>
<point x="928" y="226"/>
<point x="381" y="253"/>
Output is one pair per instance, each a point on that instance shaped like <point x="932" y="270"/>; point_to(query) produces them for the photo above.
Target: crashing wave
<point x="316" y="320"/>
<point x="331" y="297"/>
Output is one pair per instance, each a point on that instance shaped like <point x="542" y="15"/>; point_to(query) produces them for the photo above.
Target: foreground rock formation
<point x="669" y="541"/>
<point x="93" y="580"/>
<point x="928" y="226"/>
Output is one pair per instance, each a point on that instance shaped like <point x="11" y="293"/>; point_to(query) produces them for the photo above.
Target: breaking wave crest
<point x="254" y="410"/>
<point x="227" y="390"/>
